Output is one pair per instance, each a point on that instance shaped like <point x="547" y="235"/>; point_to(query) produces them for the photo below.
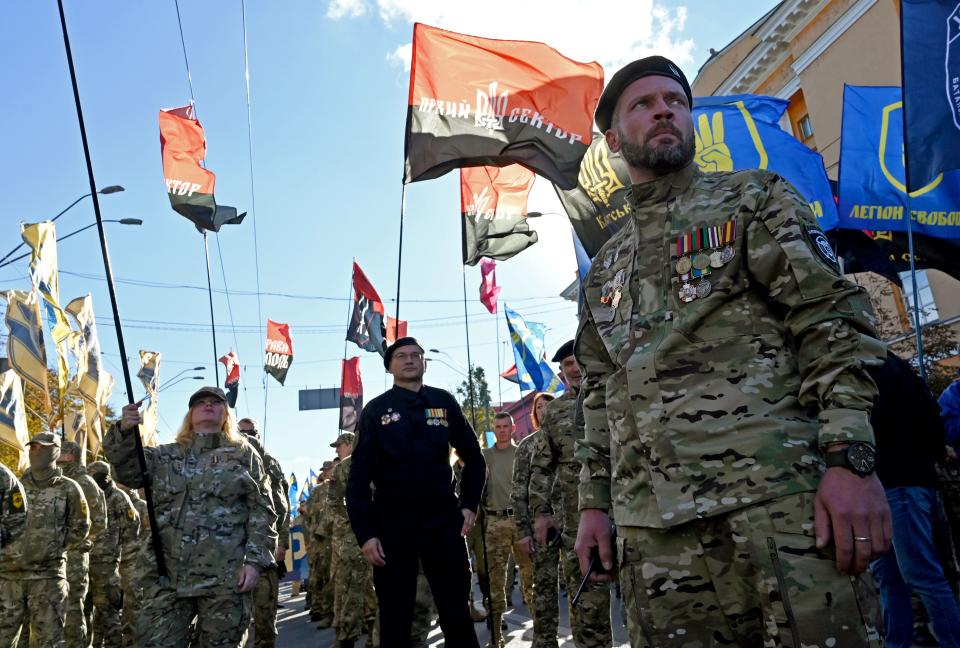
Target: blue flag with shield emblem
<point x="533" y="370"/>
<point x="743" y="132"/>
<point x="292" y="494"/>
<point x="931" y="87"/>
<point x="873" y="191"/>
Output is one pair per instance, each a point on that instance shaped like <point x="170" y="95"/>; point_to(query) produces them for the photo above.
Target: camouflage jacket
<point x="278" y="493"/>
<point x="58" y="520"/>
<point x="336" y="505"/>
<point x="554" y="462"/>
<point x="319" y="521"/>
<point x="96" y="501"/>
<point x="133" y="545"/>
<point x="697" y="406"/>
<point x="123" y="528"/>
<point x="523" y="513"/>
<point x="13" y="507"/>
<point x="212" y="505"/>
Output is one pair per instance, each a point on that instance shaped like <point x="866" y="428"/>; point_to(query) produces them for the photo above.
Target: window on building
<point x="928" y="306"/>
<point x="805" y="128"/>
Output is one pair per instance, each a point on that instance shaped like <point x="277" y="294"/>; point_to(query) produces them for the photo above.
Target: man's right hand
<point x="540" y="526"/>
<point x="373" y="552"/>
<point x="131" y="416"/>
<point x="594" y="531"/>
<point x="526" y="545"/>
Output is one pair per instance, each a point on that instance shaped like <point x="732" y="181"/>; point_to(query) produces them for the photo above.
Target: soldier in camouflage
<point x="317" y="530"/>
<point x="215" y="519"/>
<point x="545" y="605"/>
<point x="121" y="535"/>
<point x="33" y="566"/>
<point x="268" y="588"/>
<point x="13" y="507"/>
<point x="77" y="629"/>
<point x="354" y="600"/>
<point x="725" y="363"/>
<point x="129" y="568"/>
<point x="553" y="461"/>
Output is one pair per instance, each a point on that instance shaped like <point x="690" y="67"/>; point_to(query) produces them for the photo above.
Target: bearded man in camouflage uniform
<point x="554" y="461"/>
<point x="33" y="566"/>
<point x="215" y="520"/>
<point x="77" y="630"/>
<point x="355" y="602"/>
<point x="121" y="535"/>
<point x="267" y="592"/>
<point x="726" y="396"/>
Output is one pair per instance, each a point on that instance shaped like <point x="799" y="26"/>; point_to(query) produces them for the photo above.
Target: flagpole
<point x="213" y="324"/>
<point x="466" y="328"/>
<point x="906" y="173"/>
<point x="499" y="359"/>
<point x="345" y="343"/>
<point x="128" y="383"/>
<point x="403" y="204"/>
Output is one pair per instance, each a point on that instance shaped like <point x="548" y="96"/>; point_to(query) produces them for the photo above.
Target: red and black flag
<point x="493" y="206"/>
<point x="279" y="353"/>
<point x="232" y="383"/>
<point x="351" y="394"/>
<point x="190" y="186"/>
<point x="599" y="201"/>
<point x="480" y="101"/>
<point x="366" y="328"/>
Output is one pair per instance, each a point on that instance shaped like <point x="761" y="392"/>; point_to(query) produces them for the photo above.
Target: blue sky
<point x="328" y="93"/>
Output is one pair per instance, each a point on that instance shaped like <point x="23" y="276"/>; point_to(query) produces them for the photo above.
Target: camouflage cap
<point x="345" y="437"/>
<point x="45" y="438"/>
<point x="98" y="468"/>
<point x="327" y="465"/>
<point x="71" y="447"/>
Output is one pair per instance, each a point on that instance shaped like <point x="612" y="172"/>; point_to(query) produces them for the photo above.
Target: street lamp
<point x="170" y="380"/>
<point x="171" y="384"/>
<point x="441" y="361"/>
<point x="460" y="366"/>
<point x="105" y="191"/>
<point x="122" y="221"/>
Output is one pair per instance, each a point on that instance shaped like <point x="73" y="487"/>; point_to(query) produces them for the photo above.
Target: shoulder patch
<point x="16" y="500"/>
<point x="822" y="247"/>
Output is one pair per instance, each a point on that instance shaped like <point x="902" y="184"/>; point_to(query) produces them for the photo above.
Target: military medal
<point x="684" y="265"/>
<point x="701" y="261"/>
<point x="716" y="259"/>
<point x="703" y="288"/>
<point x="687" y="293"/>
<point x="729" y="232"/>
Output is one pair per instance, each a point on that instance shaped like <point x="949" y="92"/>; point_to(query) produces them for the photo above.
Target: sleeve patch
<point x="822" y="247"/>
<point x="16" y="500"/>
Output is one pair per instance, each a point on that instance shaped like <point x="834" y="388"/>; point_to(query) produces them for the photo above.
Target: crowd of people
<point x="735" y="447"/>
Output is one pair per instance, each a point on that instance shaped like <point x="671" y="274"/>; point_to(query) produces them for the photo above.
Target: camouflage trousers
<point x="545" y="605"/>
<point x="42" y="601"/>
<point x="590" y="620"/>
<point x="265" y="596"/>
<point x="501" y="543"/>
<point x="75" y="630"/>
<point x="107" y="598"/>
<point x="320" y="583"/>
<point x="422" y="613"/>
<point x="132" y="600"/>
<point x="354" y="601"/>
<point x="475" y="548"/>
<point x="165" y="621"/>
<point x="753" y="577"/>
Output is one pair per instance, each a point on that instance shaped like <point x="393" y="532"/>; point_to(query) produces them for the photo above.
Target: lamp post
<point x="180" y="380"/>
<point x="122" y="221"/>
<point x="460" y="367"/>
<point x="170" y="381"/>
<point x="443" y="362"/>
<point x="105" y="191"/>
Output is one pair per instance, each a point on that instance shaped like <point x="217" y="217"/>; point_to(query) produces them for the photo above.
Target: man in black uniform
<point x="412" y="515"/>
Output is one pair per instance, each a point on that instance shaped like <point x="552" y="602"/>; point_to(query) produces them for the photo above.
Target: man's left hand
<point x="469" y="519"/>
<point x="249" y="575"/>
<point x="853" y="511"/>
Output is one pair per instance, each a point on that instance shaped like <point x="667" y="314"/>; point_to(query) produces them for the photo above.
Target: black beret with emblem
<point x="565" y="351"/>
<point x="649" y="66"/>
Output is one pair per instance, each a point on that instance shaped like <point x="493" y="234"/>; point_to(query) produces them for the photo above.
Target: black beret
<point x="216" y="392"/>
<point x="649" y="66"/>
<point x="565" y="351"/>
<point x="401" y="342"/>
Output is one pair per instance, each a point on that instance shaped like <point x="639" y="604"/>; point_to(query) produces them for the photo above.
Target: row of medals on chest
<point x="714" y="249"/>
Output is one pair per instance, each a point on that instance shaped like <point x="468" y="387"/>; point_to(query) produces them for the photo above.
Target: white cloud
<point x="346" y="9"/>
<point x="612" y="33"/>
<point x="401" y="56"/>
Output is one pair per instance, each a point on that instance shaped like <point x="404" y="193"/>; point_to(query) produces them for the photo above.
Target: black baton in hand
<point x="596" y="565"/>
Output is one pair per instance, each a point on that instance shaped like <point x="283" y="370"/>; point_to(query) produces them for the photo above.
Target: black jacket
<point x="403" y="452"/>
<point x="907" y="426"/>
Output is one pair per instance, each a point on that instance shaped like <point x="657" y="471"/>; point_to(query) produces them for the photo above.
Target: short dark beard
<point x="661" y="159"/>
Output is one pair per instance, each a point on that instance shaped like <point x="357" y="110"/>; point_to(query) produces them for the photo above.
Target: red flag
<point x="511" y="374"/>
<point x="279" y="351"/>
<point x="366" y="328"/>
<point x="190" y="186"/>
<point x="488" y="284"/>
<point x="395" y="332"/>
<point x="476" y="101"/>
<point x="493" y="203"/>
<point x="351" y="394"/>
<point x="232" y="383"/>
